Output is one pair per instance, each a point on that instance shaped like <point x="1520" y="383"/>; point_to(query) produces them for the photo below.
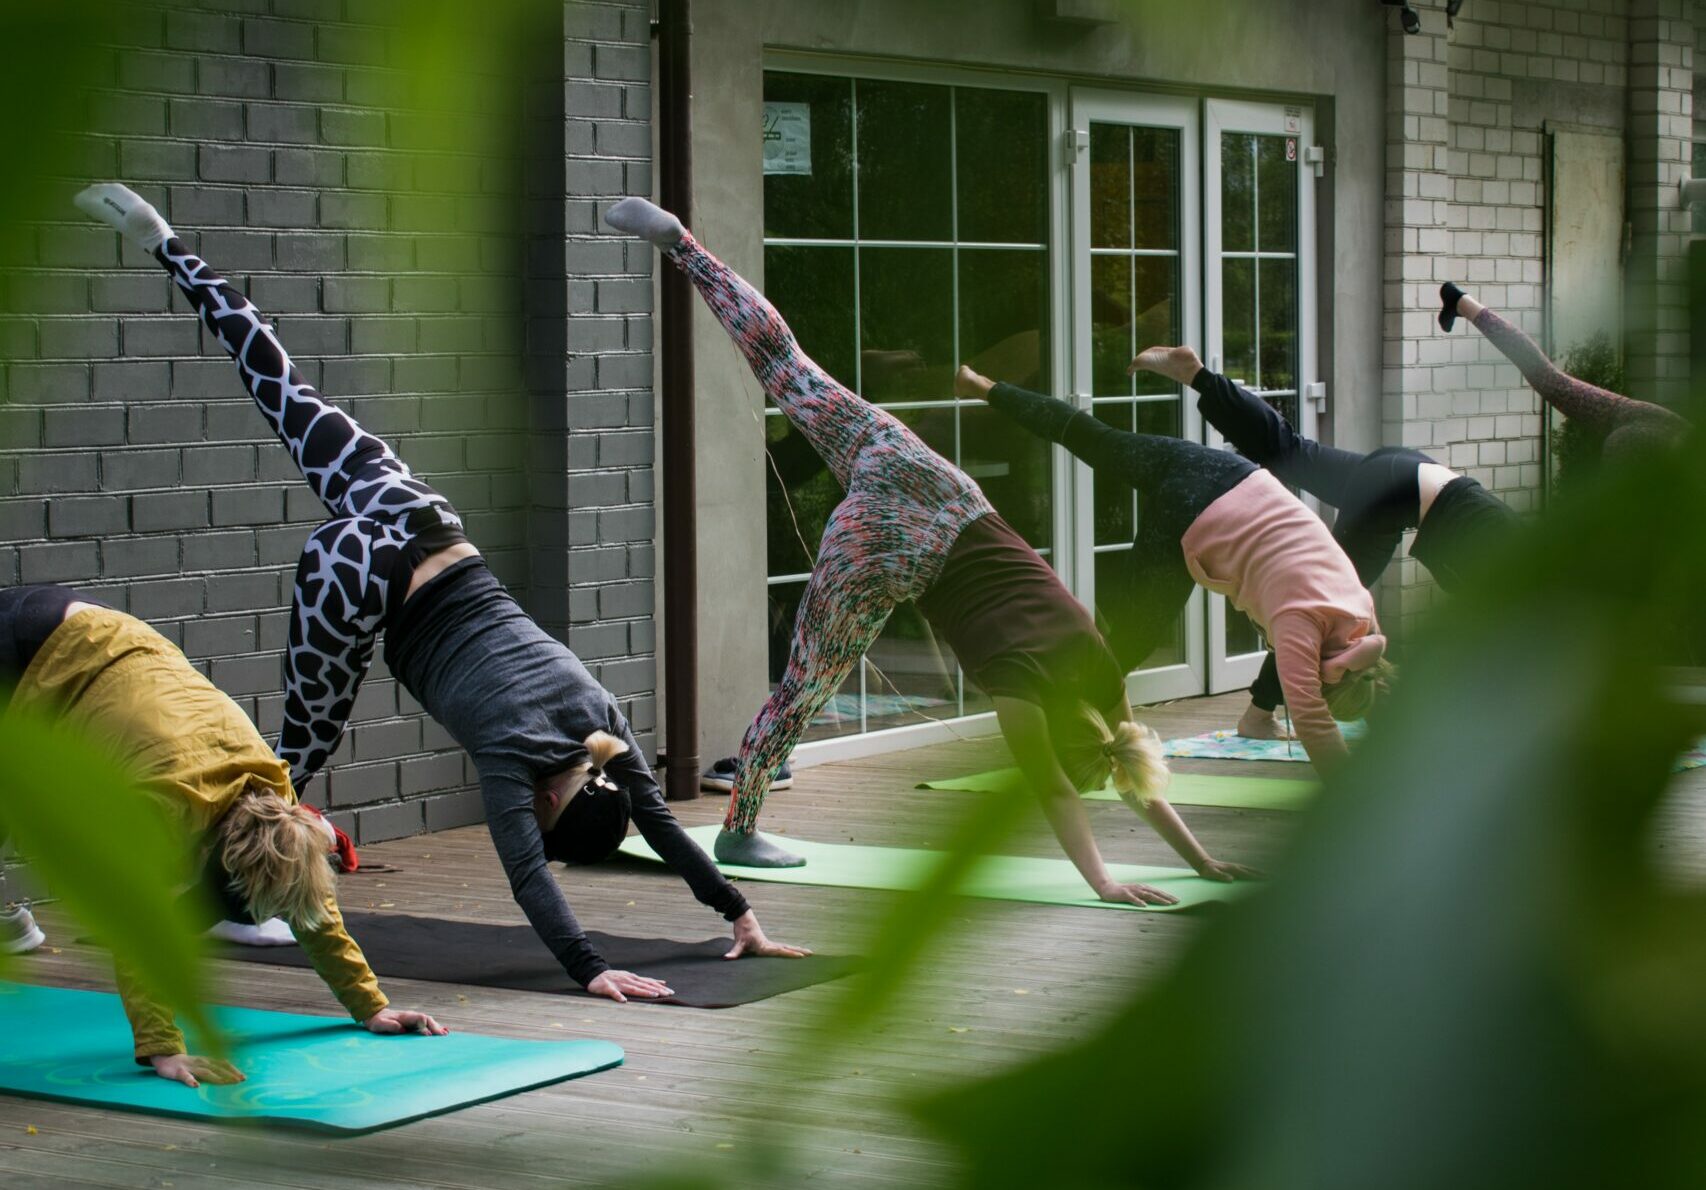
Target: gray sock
<point x="125" y="209"/>
<point x="647" y="220"/>
<point x="753" y="851"/>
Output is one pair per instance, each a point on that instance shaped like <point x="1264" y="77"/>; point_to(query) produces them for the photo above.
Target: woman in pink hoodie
<point x="1211" y="518"/>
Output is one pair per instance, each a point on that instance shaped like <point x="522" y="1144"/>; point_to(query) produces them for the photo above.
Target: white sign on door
<point x="787" y="138"/>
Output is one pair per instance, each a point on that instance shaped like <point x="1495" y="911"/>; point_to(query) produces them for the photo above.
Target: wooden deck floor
<point x="1015" y="981"/>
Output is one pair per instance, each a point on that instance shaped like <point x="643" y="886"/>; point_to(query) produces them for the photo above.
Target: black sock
<point x="1449" y="294"/>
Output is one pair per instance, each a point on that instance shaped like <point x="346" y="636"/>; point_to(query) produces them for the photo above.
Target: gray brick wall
<point x="387" y="242"/>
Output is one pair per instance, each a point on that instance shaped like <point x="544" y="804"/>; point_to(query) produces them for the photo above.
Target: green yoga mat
<point x="1186" y="789"/>
<point x="996" y="877"/>
<point x="316" y="1072"/>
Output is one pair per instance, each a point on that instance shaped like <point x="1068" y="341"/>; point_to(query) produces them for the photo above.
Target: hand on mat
<point x="750" y="939"/>
<point x="1135" y="894"/>
<point x="1225" y="873"/>
<point x="619" y="985"/>
<point x="193" y="1071"/>
<point x="403" y="1020"/>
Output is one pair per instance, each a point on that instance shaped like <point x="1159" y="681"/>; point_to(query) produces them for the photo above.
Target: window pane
<point x="1116" y="604"/>
<point x="813" y="288"/>
<point x="906" y="312"/>
<point x="1157" y="315"/>
<point x="1238" y="314"/>
<point x="820" y="203"/>
<point x="1110" y="186"/>
<point x="1155" y="186"/>
<point x="1115" y="503"/>
<point x="905" y="188"/>
<point x="1002" y="153"/>
<point x="1277" y="195"/>
<point x="911" y="676"/>
<point x="1159" y="417"/>
<point x="1279" y="323"/>
<point x="797" y="506"/>
<point x="840" y="715"/>
<point x="1004" y="315"/>
<point x="1111" y="346"/>
<point x="1242" y="636"/>
<point x="1237" y="192"/>
<point x="1015" y="470"/>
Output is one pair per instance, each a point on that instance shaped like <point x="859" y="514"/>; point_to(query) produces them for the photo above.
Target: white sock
<point x="126" y="210"/>
<point x="647" y="220"/>
<point x="275" y="931"/>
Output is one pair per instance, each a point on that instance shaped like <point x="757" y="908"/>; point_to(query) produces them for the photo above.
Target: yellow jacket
<point x="191" y="746"/>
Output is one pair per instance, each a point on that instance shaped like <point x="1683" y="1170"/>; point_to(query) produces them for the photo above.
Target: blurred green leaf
<point x="108" y="850"/>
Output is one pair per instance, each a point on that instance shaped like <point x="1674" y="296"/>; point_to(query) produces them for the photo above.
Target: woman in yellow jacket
<point x="128" y="687"/>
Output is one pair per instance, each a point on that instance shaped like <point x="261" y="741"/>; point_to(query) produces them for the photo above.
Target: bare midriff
<point x="1431" y="480"/>
<point x="435" y="564"/>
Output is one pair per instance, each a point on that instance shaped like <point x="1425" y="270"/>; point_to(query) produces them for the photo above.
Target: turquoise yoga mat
<point x="1186" y="789"/>
<point x="315" y="1072"/>
<point x="995" y="878"/>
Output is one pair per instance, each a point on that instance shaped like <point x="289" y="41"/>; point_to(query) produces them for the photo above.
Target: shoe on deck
<point x="19" y="933"/>
<point x="721" y="776"/>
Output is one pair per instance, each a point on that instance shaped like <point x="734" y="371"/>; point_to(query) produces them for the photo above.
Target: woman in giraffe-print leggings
<point x="914" y="527"/>
<point x="1624" y="426"/>
<point x="560" y="772"/>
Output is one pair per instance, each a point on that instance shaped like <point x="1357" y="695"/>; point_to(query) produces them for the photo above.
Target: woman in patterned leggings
<point x="560" y="771"/>
<point x="914" y="527"/>
<point x="1626" y="427"/>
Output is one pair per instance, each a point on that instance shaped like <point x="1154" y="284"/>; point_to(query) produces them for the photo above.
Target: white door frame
<point x="1277" y="119"/>
<point x="1130" y="108"/>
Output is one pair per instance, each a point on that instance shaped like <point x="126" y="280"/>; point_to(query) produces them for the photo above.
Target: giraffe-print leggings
<point x="885" y="542"/>
<point x="1625" y="425"/>
<point x="378" y="508"/>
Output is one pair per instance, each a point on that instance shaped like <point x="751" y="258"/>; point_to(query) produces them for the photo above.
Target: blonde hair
<point x="277" y="857"/>
<point x="601" y="748"/>
<point x="1354" y="695"/>
<point x="1132" y="753"/>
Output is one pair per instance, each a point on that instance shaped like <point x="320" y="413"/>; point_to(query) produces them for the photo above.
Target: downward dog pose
<point x="1379" y="495"/>
<point x="1209" y="517"/>
<point x="1625" y="426"/>
<point x="190" y="746"/>
<point x="560" y="772"/>
<point x="913" y="526"/>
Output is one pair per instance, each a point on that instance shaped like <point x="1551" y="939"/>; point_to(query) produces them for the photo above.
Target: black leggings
<point x="1175" y="481"/>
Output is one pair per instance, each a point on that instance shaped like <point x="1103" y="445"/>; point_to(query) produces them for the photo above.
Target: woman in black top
<point x="560" y="772"/>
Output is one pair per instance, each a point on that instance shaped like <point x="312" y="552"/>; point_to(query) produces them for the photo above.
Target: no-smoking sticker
<point x="1290" y="148"/>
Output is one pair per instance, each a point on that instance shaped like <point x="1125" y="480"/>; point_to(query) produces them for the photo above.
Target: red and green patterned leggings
<point x="884" y="544"/>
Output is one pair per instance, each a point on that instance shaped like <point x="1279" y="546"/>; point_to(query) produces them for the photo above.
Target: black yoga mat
<point x="400" y="946"/>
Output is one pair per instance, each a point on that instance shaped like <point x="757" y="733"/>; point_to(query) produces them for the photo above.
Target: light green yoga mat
<point x="323" y="1073"/>
<point x="996" y="878"/>
<point x="1186" y="789"/>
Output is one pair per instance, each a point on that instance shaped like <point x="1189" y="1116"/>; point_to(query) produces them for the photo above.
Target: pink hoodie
<point x="1278" y="564"/>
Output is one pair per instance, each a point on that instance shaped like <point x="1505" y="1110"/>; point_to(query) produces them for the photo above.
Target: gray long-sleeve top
<point x="521" y="704"/>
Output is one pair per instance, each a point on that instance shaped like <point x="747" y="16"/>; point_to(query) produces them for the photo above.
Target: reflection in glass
<point x="1014" y="470"/>
<point x="910" y="676"/>
<point x="1001" y="136"/>
<point x="1116" y="605"/>
<point x="1238" y="319"/>
<point x="1111" y="342"/>
<point x="814" y="289"/>
<point x="1156" y="314"/>
<point x="798" y="504"/>
<point x="1004" y="314"/>
<point x="1110" y="186"/>
<point x="1278" y="355"/>
<point x="1238" y="192"/>
<point x="1277" y="190"/>
<point x="1242" y="635"/>
<point x="906" y="322"/>
<point x="1155" y="188"/>
<point x="905" y="159"/>
<point x="1115" y="504"/>
<point x="818" y="204"/>
<point x="840" y="715"/>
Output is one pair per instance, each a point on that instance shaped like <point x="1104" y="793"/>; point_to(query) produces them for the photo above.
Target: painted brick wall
<point x="385" y="240"/>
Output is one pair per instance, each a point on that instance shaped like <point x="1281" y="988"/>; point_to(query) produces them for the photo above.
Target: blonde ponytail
<point x="1133" y="754"/>
<point x="602" y="748"/>
<point x="277" y="858"/>
<point x="1354" y="695"/>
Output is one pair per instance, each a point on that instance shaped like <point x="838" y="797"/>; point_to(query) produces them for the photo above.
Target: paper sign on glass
<point x="787" y="138"/>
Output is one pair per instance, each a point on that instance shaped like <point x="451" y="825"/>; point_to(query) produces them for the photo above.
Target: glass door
<point x="1135" y="271"/>
<point x="1259" y="286"/>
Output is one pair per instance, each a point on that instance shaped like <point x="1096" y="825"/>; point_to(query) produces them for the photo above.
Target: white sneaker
<point x="19" y="933"/>
<point x="274" y="931"/>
